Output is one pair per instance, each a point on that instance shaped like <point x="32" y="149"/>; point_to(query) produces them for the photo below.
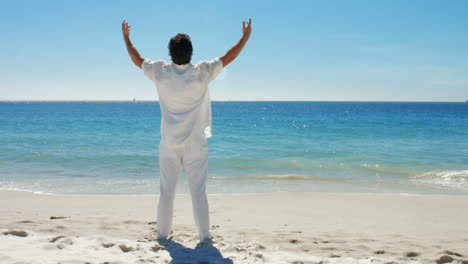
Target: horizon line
<point x="136" y="101"/>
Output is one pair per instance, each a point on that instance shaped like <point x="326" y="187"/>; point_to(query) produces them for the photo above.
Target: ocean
<point x="111" y="148"/>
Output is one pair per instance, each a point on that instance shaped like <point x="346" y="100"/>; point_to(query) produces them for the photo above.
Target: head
<point x="180" y="49"/>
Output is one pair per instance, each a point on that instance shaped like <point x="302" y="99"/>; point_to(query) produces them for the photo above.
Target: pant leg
<point x="170" y="164"/>
<point x="195" y="162"/>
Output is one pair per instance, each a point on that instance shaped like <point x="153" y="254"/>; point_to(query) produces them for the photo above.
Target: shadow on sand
<point x="201" y="254"/>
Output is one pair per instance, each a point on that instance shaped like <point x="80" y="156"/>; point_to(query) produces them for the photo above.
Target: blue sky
<point x="298" y="50"/>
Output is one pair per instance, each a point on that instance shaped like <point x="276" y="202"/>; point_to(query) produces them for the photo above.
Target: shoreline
<point x="237" y="194"/>
<point x="252" y="228"/>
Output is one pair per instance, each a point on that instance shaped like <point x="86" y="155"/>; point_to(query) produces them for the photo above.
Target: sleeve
<point x="212" y="68"/>
<point x="151" y="68"/>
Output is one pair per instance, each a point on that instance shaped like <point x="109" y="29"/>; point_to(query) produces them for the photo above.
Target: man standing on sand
<point x="185" y="123"/>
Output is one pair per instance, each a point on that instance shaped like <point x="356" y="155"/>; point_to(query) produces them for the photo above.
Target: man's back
<point x="184" y="98"/>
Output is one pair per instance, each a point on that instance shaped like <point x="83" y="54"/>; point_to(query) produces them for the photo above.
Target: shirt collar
<point x="182" y="66"/>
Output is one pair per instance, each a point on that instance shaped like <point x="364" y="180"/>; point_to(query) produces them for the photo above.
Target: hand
<point x="125" y="29"/>
<point x="246" y="30"/>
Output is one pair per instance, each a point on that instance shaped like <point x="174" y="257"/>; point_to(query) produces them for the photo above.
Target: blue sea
<point x="111" y="148"/>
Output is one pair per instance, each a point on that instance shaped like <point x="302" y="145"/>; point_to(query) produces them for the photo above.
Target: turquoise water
<point x="112" y="147"/>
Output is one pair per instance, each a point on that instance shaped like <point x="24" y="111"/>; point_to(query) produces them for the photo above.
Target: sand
<point x="254" y="228"/>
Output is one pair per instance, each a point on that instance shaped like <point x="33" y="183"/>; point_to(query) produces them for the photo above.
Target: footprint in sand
<point x="412" y="254"/>
<point x="61" y="246"/>
<point x="444" y="259"/>
<point x="19" y="233"/>
<point x="151" y="236"/>
<point x="65" y="243"/>
<point x="58" y="217"/>
<point x="68" y="241"/>
<point x="448" y="252"/>
<point x="294" y="241"/>
<point x="107" y="244"/>
<point x="126" y="248"/>
<point x="156" y="248"/>
<point x="52" y="240"/>
<point x="25" y="222"/>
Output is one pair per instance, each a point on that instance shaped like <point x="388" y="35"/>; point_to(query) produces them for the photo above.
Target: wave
<point x="283" y="177"/>
<point x="448" y="178"/>
<point x="392" y="170"/>
<point x="319" y="165"/>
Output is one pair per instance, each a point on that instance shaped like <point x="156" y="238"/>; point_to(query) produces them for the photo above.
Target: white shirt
<point x="184" y="98"/>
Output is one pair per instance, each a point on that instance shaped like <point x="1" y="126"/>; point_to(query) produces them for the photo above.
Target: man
<point x="185" y="124"/>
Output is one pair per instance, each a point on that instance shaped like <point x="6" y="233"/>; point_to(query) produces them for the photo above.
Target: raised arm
<point x="237" y="48"/>
<point x="132" y="51"/>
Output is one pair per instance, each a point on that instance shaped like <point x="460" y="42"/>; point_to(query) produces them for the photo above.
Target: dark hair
<point x="180" y="49"/>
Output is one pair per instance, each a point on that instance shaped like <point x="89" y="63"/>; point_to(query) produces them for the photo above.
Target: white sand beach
<point x="254" y="228"/>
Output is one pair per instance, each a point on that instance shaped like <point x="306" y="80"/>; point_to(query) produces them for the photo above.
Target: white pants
<point x="193" y="158"/>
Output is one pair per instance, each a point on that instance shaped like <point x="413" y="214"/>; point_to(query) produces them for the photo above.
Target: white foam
<point x="449" y="178"/>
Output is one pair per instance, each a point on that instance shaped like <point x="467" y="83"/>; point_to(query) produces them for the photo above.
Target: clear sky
<point x="298" y="50"/>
